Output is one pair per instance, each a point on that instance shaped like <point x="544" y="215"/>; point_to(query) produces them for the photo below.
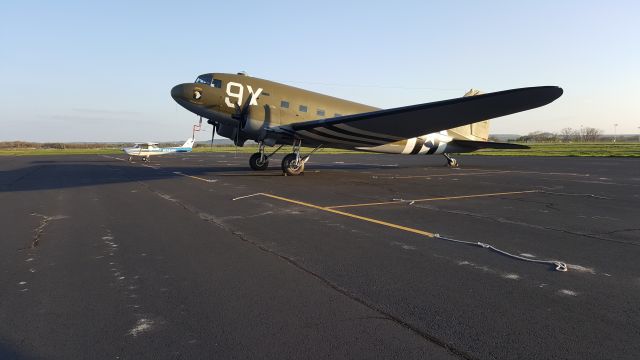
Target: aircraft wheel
<point x="453" y="163"/>
<point x="256" y="164"/>
<point x="130" y="158"/>
<point x="289" y="167"/>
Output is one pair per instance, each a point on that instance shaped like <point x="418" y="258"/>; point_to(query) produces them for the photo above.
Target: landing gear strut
<point x="260" y="161"/>
<point x="293" y="164"/>
<point x="451" y="161"/>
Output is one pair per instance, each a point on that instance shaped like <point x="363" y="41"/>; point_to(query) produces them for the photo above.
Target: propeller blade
<point x="246" y="106"/>
<point x="242" y="113"/>
<point x="213" y="130"/>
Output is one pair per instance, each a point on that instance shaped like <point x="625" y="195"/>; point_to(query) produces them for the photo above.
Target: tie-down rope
<point x="560" y="266"/>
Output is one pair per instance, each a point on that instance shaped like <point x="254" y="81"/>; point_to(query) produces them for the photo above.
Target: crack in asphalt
<point x="615" y="231"/>
<point x="548" y="205"/>
<point x="521" y="223"/>
<point x="127" y="284"/>
<point x="39" y="231"/>
<point x="343" y="291"/>
<point x="571" y="194"/>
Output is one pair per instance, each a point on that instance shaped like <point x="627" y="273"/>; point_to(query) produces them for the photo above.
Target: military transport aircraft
<point x="147" y="149"/>
<point x="241" y="107"/>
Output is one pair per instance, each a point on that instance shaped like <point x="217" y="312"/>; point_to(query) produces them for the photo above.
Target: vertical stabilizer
<point x="188" y="143"/>
<point x="477" y="131"/>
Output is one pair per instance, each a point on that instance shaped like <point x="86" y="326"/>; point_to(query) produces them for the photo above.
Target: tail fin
<point x="477" y="131"/>
<point x="189" y="143"/>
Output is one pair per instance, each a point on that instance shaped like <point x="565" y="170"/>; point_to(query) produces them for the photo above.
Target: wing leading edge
<point x="383" y="126"/>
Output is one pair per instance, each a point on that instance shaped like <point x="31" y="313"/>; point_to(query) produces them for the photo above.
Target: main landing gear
<point x="143" y="158"/>
<point x="292" y="164"/>
<point x="260" y="161"/>
<point x="451" y="161"/>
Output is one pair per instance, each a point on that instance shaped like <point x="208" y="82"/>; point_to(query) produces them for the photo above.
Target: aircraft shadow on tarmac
<point x="9" y="353"/>
<point x="51" y="174"/>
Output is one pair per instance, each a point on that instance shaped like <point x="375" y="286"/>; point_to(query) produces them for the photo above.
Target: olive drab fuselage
<point x="244" y="108"/>
<point x="219" y="97"/>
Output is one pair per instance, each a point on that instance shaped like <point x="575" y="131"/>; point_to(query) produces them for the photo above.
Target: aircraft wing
<point x="383" y="126"/>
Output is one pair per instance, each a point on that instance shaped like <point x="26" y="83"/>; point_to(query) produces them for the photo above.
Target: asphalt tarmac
<point x="106" y="259"/>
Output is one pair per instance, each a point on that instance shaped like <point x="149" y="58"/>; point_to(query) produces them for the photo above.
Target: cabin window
<point x="204" y="79"/>
<point x="284" y="104"/>
<point x="217" y="83"/>
<point x="320" y="112"/>
<point x="302" y="108"/>
<point x="337" y="115"/>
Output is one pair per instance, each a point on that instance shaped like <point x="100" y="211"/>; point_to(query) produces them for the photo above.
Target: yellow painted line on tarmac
<point x="353" y="216"/>
<point x="432" y="199"/>
<point x="560" y="266"/>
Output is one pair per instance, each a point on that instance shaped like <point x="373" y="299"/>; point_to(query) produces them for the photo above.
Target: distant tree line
<point x="569" y="135"/>
<point x="57" y="145"/>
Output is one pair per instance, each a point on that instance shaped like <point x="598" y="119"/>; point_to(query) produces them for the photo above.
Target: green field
<point x="575" y="149"/>
<point x="552" y="149"/>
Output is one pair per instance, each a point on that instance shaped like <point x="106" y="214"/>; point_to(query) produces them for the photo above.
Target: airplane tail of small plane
<point x="189" y="143"/>
<point x="478" y="131"/>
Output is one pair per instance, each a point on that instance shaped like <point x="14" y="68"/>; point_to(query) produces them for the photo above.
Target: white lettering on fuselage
<point x="254" y="95"/>
<point x="237" y="94"/>
<point x="236" y="90"/>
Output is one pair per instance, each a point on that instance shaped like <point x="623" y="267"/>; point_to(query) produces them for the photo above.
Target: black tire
<point x="254" y="162"/>
<point x="289" y="167"/>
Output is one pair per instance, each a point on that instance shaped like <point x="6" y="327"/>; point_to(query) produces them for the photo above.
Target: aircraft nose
<point x="188" y="92"/>
<point x="177" y="92"/>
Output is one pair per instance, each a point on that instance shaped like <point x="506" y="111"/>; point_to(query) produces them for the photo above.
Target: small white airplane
<point x="148" y="149"/>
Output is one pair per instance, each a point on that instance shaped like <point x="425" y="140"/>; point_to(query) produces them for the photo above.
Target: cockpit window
<point x="217" y="83"/>
<point x="204" y="79"/>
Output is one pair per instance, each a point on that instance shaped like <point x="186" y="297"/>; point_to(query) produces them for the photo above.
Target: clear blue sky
<point x="102" y="71"/>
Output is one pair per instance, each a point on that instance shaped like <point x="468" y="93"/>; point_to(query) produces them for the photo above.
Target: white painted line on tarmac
<point x="247" y="196"/>
<point x="195" y="177"/>
<point x="113" y="157"/>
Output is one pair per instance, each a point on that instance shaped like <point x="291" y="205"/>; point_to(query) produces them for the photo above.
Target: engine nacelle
<point x="227" y="131"/>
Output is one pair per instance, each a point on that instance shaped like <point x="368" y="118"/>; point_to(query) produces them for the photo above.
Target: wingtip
<point x="552" y="92"/>
<point x="559" y="90"/>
